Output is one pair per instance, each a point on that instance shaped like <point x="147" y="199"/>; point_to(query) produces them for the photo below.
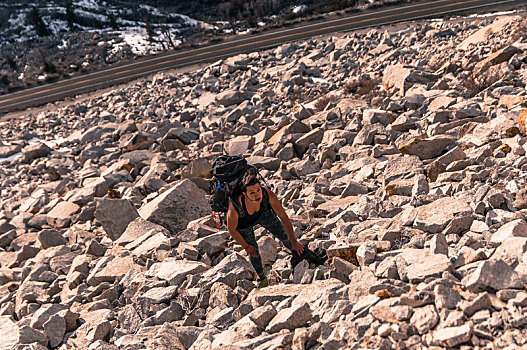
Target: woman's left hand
<point x="298" y="247"/>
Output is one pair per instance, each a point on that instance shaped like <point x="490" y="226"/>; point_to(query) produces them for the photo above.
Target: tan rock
<point x="522" y="122"/>
<point x="429" y="147"/>
<point x="511" y="101"/>
<point x="176" y="207"/>
<point x="115" y="215"/>
<point x="62" y="214"/>
<point x="117" y="268"/>
<point x="175" y="271"/>
<point x="483" y="34"/>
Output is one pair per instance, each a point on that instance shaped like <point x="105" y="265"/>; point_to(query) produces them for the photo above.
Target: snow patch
<point x="299" y="9"/>
<point x="10" y="158"/>
<point x="502" y="13"/>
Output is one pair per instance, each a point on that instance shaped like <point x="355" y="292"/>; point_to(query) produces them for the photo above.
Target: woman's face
<point x="254" y="192"/>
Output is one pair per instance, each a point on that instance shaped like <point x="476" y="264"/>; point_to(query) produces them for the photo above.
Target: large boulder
<point x="402" y="168"/>
<point x="137" y="228"/>
<point x="231" y="97"/>
<point x="427" y="148"/>
<point x="9" y="330"/>
<point x="400" y="77"/>
<point x="446" y="211"/>
<point x="62" y="214"/>
<point x="37" y="150"/>
<point x="291" y="318"/>
<point x="492" y="275"/>
<point x="516" y="228"/>
<point x="115" y="215"/>
<point x="176" y="207"/>
<point x="175" y="271"/>
<point x="116" y="268"/>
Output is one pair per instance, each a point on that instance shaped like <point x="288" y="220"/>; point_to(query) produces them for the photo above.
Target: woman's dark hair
<point x="249" y="179"/>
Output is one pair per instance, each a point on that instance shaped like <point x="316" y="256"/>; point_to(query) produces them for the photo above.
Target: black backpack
<point x="227" y="175"/>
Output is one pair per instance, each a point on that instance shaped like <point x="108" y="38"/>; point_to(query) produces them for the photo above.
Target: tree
<point x="38" y="23"/>
<point x="165" y="30"/>
<point x="150" y="31"/>
<point x="113" y="21"/>
<point x="70" y="15"/>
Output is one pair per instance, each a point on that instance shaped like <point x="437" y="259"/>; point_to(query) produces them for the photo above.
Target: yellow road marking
<point x="239" y="46"/>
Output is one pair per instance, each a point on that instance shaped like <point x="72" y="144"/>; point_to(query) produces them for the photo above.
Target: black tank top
<point x="248" y="220"/>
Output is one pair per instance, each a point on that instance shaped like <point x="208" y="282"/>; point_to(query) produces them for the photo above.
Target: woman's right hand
<point x="251" y="251"/>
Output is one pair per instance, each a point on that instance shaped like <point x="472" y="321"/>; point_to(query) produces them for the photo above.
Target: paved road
<point x="90" y="82"/>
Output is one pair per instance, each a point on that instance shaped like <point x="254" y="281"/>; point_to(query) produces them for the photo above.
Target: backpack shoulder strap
<point x="265" y="197"/>
<point x="237" y="207"/>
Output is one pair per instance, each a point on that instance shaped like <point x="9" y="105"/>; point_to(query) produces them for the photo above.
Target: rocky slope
<point x="401" y="152"/>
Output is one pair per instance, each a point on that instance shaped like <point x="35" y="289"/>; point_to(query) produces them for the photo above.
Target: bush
<point x="323" y="101"/>
<point x="361" y="86"/>
<point x="4" y="80"/>
<point x="10" y="61"/>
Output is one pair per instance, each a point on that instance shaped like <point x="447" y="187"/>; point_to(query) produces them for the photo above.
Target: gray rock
<point x="138" y="228"/>
<point x="171" y="336"/>
<point x="314" y="137"/>
<point x="511" y="251"/>
<point x="402" y="167"/>
<point x="62" y="214"/>
<point x="481" y="302"/>
<point x="37" y="150"/>
<point x="7" y="238"/>
<point x="10" y="332"/>
<point x="446" y="297"/>
<point x="401" y="77"/>
<point x="453" y="336"/>
<point x="427" y="148"/>
<point x="366" y="254"/>
<point x="290" y="318"/>
<point x="268" y="248"/>
<point x="269" y="163"/>
<point x="184" y="135"/>
<point x="239" y="145"/>
<point x="43" y="314"/>
<point x="187" y="251"/>
<point x="5" y="227"/>
<point x="95" y="248"/>
<point x="300" y="270"/>
<point x="136" y="141"/>
<point x="516" y="228"/>
<point x="231" y="97"/>
<point x="372" y="116"/>
<point x="55" y="328"/>
<point x="160" y="294"/>
<point x="435" y="217"/>
<point x="222" y="296"/>
<point x="176" y="207"/>
<point x="28" y="335"/>
<point x="99" y="331"/>
<point x="438" y="244"/>
<point x="175" y="271"/>
<point x="425" y="318"/>
<point x="211" y="245"/>
<point x="262" y="315"/>
<point x="50" y="238"/>
<point x="432" y="266"/>
<point x="492" y="275"/>
<point x="117" y="268"/>
<point x="341" y="269"/>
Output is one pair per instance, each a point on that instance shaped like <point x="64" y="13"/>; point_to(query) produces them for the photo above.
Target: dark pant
<point x="272" y="223"/>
